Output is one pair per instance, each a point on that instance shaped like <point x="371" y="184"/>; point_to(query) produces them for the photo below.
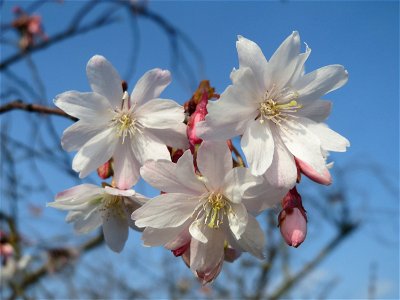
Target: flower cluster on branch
<point x="206" y="212"/>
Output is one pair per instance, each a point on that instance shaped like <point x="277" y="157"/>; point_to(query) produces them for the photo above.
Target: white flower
<point x="278" y="110"/>
<point x="131" y="129"/>
<point x="91" y="206"/>
<point x="205" y="210"/>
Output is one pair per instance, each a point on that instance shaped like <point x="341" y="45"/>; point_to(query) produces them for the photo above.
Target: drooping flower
<point x="91" y="206"/>
<point x="293" y="219"/>
<point x="130" y="129"/>
<point x="205" y="210"/>
<point x="278" y="110"/>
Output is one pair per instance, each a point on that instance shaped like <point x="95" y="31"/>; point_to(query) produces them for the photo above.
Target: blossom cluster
<point x="206" y="211"/>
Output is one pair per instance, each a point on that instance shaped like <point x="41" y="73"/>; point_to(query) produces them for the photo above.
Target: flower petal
<point x="85" y="190"/>
<point x="237" y="219"/>
<point x="146" y="147"/>
<point x="115" y="229"/>
<point x="173" y="178"/>
<point x="299" y="70"/>
<point x="117" y="192"/>
<point x="174" y="136"/>
<point x="251" y="56"/>
<point x="95" y="152"/>
<point x="160" y="113"/>
<point x="166" y="210"/>
<point x="79" y="133"/>
<point x="317" y="110"/>
<point x="330" y="140"/>
<point x="258" y="146"/>
<point x="159" y="236"/>
<point x="283" y="62"/>
<point x="320" y="82"/>
<point x="214" y="161"/>
<point x="302" y="143"/>
<point x="150" y="86"/>
<point x="197" y="229"/>
<point x="90" y="107"/>
<point x="104" y="80"/>
<point x="88" y="221"/>
<point x="237" y="181"/>
<point x="253" y="239"/>
<point x="126" y="166"/>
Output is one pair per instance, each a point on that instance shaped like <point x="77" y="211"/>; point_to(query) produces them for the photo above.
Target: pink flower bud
<point x="199" y="115"/>
<point x="105" y="171"/>
<point x="293" y="219"/>
<point x="307" y="170"/>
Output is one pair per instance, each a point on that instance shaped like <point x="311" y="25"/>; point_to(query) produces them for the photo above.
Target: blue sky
<point x="362" y="36"/>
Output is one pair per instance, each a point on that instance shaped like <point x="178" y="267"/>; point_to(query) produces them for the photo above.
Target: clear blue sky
<point x="362" y="36"/>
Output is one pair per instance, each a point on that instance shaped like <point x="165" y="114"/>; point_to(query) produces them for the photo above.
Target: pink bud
<point x="105" y="171"/>
<point x="293" y="219"/>
<point x="311" y="173"/>
<point x="199" y="115"/>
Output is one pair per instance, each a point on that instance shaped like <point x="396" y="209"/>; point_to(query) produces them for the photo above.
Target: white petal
<point x="90" y="107"/>
<point x="251" y="56"/>
<point x="320" y="82"/>
<point x="205" y="257"/>
<point x="258" y="147"/>
<point x="159" y="236"/>
<point x="150" y="86"/>
<point x="197" y="229"/>
<point x="282" y="171"/>
<point x="302" y="143"/>
<point x="95" y="152"/>
<point x="299" y="70"/>
<point x="166" y="210"/>
<point x="126" y="166"/>
<point x="104" y="79"/>
<point x="79" y="133"/>
<point x="253" y="239"/>
<point x="237" y="181"/>
<point x="283" y="62"/>
<point x="330" y="140"/>
<point x="173" y="178"/>
<point x="182" y="239"/>
<point x="221" y="131"/>
<point x="160" y="113"/>
<point x="214" y="161"/>
<point x="145" y="147"/>
<point x="117" y="192"/>
<point x="115" y="230"/>
<point x="174" y="136"/>
<point x="317" y="110"/>
<point x="237" y="219"/>
<point x="85" y="190"/>
<point x="88" y="222"/>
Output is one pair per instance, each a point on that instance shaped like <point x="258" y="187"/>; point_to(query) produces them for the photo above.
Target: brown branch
<point x="36" y="108"/>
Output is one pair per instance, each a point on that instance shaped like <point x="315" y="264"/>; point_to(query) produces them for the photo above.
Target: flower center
<point x="113" y="205"/>
<point x="278" y="105"/>
<point x="215" y="208"/>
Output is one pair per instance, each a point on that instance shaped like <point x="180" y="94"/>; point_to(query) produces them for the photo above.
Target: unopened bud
<point x="198" y="116"/>
<point x="105" y="171"/>
<point x="293" y="219"/>
<point x="311" y="173"/>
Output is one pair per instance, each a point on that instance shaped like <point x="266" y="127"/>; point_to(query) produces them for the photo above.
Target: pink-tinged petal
<point x="174" y="136"/>
<point x="214" y="161"/>
<point x="303" y="144"/>
<point x="89" y="107"/>
<point x="182" y="239"/>
<point x="251" y="56"/>
<point x="150" y="86"/>
<point x="258" y="147"/>
<point x="321" y="178"/>
<point x="253" y="239"/>
<point x="330" y="140"/>
<point x="173" y="178"/>
<point x="283" y="62"/>
<point x="166" y="210"/>
<point x="317" y="110"/>
<point x="238" y="219"/>
<point x="145" y="147"/>
<point x="115" y="228"/>
<point x="237" y="181"/>
<point x="117" y="192"/>
<point x="126" y="166"/>
<point x="79" y="133"/>
<point x="160" y="114"/>
<point x="282" y="172"/>
<point x="293" y="227"/>
<point x="222" y="131"/>
<point x="206" y="257"/>
<point x="95" y="152"/>
<point x="320" y="82"/>
<point x="104" y="79"/>
<point x="159" y="236"/>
